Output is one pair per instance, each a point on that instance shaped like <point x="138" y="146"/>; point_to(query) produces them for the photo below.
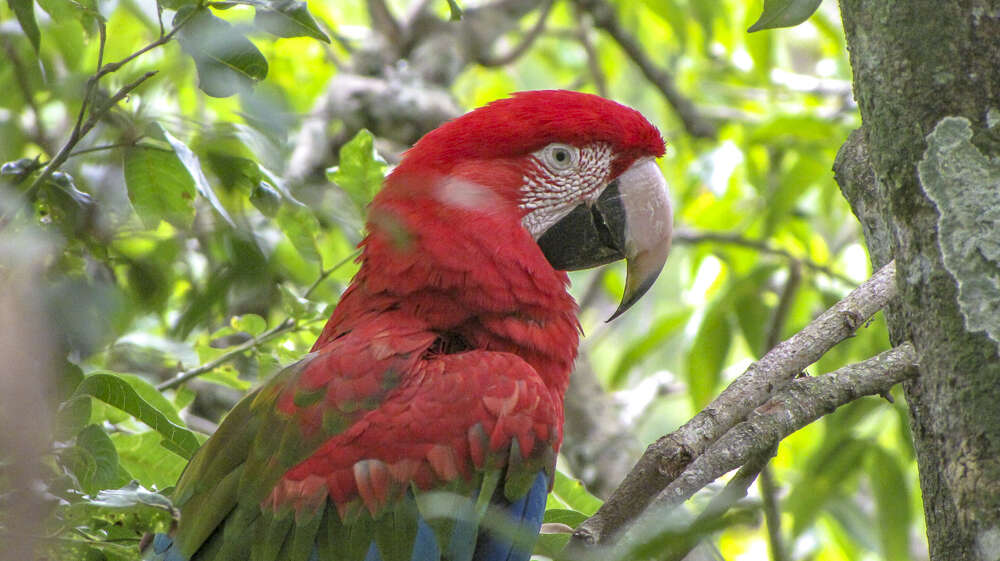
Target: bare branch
<point x="536" y="30"/>
<point x="801" y="403"/>
<point x="598" y="445"/>
<point x="765" y="481"/>
<point x="385" y="23"/>
<point x="593" y="60"/>
<point x="772" y="515"/>
<point x="667" y="458"/>
<point x="606" y="19"/>
<point x="747" y="443"/>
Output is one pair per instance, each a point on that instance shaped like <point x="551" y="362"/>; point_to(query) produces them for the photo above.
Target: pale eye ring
<point x="560" y="157"/>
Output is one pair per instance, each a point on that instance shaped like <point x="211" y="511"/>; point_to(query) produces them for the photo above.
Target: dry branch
<point x="801" y="403"/>
<point x="752" y="443"/>
<point x="606" y="19"/>
<point x="665" y="460"/>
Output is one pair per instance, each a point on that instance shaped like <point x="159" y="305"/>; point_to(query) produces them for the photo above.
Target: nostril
<point x="603" y="231"/>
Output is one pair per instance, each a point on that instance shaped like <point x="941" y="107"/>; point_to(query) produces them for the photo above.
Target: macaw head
<point x="577" y="170"/>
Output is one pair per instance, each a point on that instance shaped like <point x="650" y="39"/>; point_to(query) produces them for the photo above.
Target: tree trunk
<point x="923" y="176"/>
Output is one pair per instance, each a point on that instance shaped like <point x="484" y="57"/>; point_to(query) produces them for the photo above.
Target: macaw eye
<point x="560" y="157"/>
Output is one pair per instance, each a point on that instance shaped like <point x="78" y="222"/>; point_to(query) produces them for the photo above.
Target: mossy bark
<point x="919" y="64"/>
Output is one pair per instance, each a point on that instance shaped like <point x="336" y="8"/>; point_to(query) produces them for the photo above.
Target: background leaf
<point x="227" y="61"/>
<point x="115" y="390"/>
<point x="25" y="12"/>
<point x="708" y="353"/>
<point x="159" y="186"/>
<point x="288" y="18"/>
<point x="784" y="13"/>
<point x="361" y="169"/>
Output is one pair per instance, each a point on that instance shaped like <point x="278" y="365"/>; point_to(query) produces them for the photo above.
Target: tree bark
<point x="922" y="175"/>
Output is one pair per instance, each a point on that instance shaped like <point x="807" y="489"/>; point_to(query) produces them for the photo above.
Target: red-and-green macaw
<point x="424" y="424"/>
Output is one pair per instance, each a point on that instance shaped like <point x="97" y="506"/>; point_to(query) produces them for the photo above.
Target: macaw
<point x="424" y="424"/>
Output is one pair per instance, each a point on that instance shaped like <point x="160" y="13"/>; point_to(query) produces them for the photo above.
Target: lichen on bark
<point x="965" y="186"/>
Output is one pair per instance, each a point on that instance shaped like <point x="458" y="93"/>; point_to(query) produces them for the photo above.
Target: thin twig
<point x="536" y="30"/>
<point x="593" y="59"/>
<point x="688" y="237"/>
<point x="82" y="127"/>
<point x="247" y="345"/>
<point x="667" y="458"/>
<point x="765" y="481"/>
<point x="772" y="515"/>
<point x="103" y="147"/>
<point x="734" y="491"/>
<point x="82" y="130"/>
<point x="287" y="325"/>
<point x="606" y="19"/>
<point x="114" y="66"/>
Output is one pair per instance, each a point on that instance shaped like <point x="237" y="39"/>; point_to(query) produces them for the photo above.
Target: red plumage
<point x="445" y="363"/>
<point x="466" y="275"/>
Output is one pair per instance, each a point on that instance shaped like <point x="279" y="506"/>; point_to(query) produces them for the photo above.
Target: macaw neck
<point x="472" y="274"/>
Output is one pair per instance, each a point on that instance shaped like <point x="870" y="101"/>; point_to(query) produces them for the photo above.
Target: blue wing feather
<point x="526" y="513"/>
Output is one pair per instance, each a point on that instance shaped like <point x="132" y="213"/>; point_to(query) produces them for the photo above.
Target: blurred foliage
<point x="187" y="268"/>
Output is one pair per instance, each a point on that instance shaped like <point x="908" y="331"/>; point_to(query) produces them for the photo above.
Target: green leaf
<point x="752" y="315"/>
<point x="104" y="472"/>
<point x="892" y="502"/>
<point x="549" y="545"/>
<point x="226" y="376"/>
<point x="227" y="62"/>
<point x="361" y="169"/>
<point x="149" y="462"/>
<point x="25" y="12"/>
<point x="784" y="13"/>
<point x="249" y="323"/>
<point x="266" y="198"/>
<point x="301" y="228"/>
<point x="159" y="186"/>
<point x="150" y="394"/>
<point x="574" y="494"/>
<point x="293" y="304"/>
<point x="71" y="417"/>
<point x="827" y="472"/>
<point x="288" y="18"/>
<point x="664" y="328"/>
<point x="456" y="10"/>
<point x="708" y="353"/>
<point x="854" y="531"/>
<point x="565" y="516"/>
<point x="193" y="165"/>
<point x="116" y="390"/>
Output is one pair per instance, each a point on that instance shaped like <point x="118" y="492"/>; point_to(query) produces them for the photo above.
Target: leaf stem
<point x="288" y="324"/>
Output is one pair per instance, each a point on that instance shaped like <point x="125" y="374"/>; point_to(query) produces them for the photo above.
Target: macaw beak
<point x="631" y="220"/>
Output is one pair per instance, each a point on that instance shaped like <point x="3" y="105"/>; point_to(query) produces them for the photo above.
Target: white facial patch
<point x="463" y="193"/>
<point x="550" y="194"/>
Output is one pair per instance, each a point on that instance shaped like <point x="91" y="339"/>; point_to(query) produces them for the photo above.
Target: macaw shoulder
<point x="351" y="373"/>
<point x="452" y="417"/>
